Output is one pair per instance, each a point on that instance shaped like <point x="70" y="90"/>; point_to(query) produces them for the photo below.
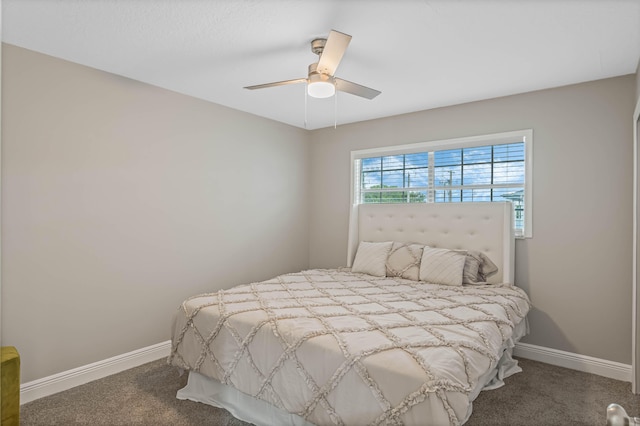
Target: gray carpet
<point x="541" y="395"/>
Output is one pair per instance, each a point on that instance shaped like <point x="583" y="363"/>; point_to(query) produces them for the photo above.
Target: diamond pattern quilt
<point x="335" y="347"/>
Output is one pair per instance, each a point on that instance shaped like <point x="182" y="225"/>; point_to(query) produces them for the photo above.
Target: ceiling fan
<point x="321" y="82"/>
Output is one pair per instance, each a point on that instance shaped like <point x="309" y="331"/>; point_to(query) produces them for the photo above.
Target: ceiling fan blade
<point x="277" y="83"/>
<point x="333" y="51"/>
<point x="356" y="89"/>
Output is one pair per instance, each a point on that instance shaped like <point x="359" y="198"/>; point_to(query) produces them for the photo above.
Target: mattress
<point x="335" y="347"/>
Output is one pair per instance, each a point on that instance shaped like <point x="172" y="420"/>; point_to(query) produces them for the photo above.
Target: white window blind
<point x="478" y="169"/>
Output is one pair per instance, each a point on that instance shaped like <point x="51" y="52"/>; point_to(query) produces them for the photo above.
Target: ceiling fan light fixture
<point x="321" y="82"/>
<point x="321" y="86"/>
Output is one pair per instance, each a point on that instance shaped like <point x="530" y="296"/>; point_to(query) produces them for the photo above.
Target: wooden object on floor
<point x="10" y="387"/>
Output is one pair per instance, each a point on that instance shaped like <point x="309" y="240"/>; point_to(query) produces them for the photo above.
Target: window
<point x="480" y="168"/>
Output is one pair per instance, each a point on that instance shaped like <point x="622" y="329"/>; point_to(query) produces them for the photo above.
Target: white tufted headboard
<point x="486" y="227"/>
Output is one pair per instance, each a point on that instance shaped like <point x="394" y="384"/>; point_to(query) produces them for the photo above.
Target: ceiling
<point x="421" y="54"/>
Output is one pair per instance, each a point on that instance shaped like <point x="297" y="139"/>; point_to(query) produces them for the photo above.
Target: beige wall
<point x="121" y="199"/>
<point x="638" y="83"/>
<point x="577" y="267"/>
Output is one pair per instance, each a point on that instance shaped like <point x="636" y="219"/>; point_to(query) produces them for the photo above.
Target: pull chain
<point x="305" y="104"/>
<point x="335" y="110"/>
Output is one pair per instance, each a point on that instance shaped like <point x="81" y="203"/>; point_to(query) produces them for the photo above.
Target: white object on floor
<point x="617" y="416"/>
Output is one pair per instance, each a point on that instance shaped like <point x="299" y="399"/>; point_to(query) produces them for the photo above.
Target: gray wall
<point x="577" y="267"/>
<point x="121" y="199"/>
<point x="638" y="82"/>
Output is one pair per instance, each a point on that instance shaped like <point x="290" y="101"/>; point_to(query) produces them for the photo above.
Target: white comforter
<point x="341" y="348"/>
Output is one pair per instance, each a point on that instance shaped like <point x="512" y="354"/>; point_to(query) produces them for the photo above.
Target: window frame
<point x="525" y="136"/>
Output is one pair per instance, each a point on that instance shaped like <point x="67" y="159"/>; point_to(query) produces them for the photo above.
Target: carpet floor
<point x="541" y="395"/>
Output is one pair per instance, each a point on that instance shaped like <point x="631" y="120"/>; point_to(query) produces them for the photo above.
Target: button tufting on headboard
<point x="483" y="227"/>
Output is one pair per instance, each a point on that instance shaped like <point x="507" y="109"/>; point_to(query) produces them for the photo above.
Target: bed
<point x="393" y="338"/>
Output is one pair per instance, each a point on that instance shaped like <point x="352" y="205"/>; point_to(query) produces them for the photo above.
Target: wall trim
<point x="635" y="293"/>
<point x="46" y="386"/>
<point x="584" y="363"/>
<point x="78" y="376"/>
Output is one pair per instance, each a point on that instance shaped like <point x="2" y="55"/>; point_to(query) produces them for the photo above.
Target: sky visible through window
<point x="484" y="173"/>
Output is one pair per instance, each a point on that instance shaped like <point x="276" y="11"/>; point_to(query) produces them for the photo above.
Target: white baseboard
<point x="78" y="376"/>
<point x="587" y="364"/>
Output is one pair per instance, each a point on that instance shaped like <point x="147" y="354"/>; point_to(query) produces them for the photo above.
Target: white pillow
<point x="442" y="266"/>
<point x="371" y="258"/>
<point x="404" y="261"/>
